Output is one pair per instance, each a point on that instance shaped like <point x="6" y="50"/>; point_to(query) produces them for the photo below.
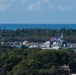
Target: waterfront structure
<point x="55" y="43"/>
<point x="24" y="43"/>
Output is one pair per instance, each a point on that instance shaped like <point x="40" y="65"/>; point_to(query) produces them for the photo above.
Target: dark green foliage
<point x="37" y="35"/>
<point x="2" y="71"/>
<point x="35" y="61"/>
<point x="72" y="63"/>
<point x="23" y="47"/>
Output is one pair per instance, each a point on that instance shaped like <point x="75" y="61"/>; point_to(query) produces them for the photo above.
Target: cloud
<point x="37" y="5"/>
<point x="5" y="5"/>
<point x="48" y="5"/>
<point x="34" y="6"/>
<point x="64" y="8"/>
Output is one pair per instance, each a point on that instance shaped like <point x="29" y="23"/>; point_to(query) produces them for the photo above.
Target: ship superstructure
<point x="54" y="43"/>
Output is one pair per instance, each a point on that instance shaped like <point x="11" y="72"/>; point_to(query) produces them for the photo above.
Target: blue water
<point x="18" y="46"/>
<point x="53" y="26"/>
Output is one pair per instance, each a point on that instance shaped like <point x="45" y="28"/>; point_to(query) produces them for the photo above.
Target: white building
<point x="24" y="43"/>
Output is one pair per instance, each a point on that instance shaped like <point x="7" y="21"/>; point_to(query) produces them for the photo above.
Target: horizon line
<point x="38" y="23"/>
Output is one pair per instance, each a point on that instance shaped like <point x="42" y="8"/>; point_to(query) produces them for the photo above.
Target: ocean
<point x="53" y="26"/>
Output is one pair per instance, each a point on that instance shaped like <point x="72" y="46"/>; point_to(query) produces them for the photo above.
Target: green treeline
<point x="37" y="35"/>
<point x="34" y="61"/>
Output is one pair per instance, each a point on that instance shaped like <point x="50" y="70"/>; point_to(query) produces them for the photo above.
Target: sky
<point x="38" y="11"/>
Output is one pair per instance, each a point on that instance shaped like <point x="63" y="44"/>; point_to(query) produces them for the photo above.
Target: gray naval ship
<point x="57" y="43"/>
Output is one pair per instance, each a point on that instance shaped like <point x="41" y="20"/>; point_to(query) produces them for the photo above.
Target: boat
<point x="56" y="43"/>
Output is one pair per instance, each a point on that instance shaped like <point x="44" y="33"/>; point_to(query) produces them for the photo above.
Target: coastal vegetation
<point x="35" y="61"/>
<point x="37" y="35"/>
